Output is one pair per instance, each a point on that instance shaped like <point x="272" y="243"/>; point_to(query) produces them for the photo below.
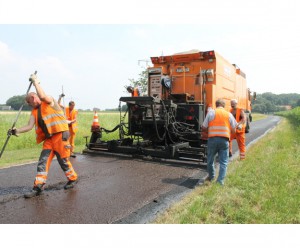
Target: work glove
<point x="65" y="135"/>
<point x="12" y="131"/>
<point x="61" y="95"/>
<point x="239" y="127"/>
<point x="33" y="78"/>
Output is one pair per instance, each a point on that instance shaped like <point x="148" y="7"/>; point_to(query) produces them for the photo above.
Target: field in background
<point x="24" y="148"/>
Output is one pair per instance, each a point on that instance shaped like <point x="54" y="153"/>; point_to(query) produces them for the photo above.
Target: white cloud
<point x="140" y="33"/>
<point x="6" y="55"/>
<point x="53" y="66"/>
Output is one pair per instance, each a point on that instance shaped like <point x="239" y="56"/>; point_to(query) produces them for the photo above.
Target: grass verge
<point x="257" y="116"/>
<point x="20" y="157"/>
<point x="264" y="188"/>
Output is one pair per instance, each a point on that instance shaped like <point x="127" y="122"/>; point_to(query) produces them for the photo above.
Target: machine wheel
<point x="247" y="129"/>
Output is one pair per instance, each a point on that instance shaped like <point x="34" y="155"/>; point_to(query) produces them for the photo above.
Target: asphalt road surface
<point x="110" y="189"/>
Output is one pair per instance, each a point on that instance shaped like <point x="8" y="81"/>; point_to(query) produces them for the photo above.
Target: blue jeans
<point x="220" y="146"/>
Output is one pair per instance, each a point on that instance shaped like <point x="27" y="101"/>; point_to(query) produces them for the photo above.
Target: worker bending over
<point x="71" y="115"/>
<point x="134" y="91"/>
<point x="51" y="127"/>
<point x="239" y="135"/>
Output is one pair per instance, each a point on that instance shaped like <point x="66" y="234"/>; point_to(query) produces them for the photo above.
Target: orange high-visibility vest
<point x="237" y="118"/>
<point x="135" y="92"/>
<point x="54" y="120"/>
<point x="71" y="116"/>
<point x="220" y="126"/>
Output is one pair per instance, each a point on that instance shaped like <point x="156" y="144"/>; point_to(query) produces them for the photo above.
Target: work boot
<point x="230" y="154"/>
<point x="210" y="179"/>
<point x="73" y="155"/>
<point x="34" y="192"/>
<point x="70" y="184"/>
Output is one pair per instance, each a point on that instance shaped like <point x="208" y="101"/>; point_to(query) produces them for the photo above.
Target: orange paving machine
<point x="166" y="123"/>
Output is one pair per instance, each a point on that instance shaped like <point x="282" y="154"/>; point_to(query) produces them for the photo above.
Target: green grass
<point x="293" y="115"/>
<point x="85" y="121"/>
<point x="257" y="116"/>
<point x="26" y="141"/>
<point x="14" y="157"/>
<point x="264" y="188"/>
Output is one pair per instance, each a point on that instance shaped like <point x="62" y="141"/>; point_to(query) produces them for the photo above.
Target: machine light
<point x="189" y="118"/>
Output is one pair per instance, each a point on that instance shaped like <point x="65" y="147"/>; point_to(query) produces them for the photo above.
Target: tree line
<point x="16" y="102"/>
<point x="270" y="103"/>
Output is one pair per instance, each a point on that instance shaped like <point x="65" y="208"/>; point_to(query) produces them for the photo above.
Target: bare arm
<point x="233" y="123"/>
<point x="59" y="102"/>
<point x="40" y="92"/>
<point x="243" y="117"/>
<point x="28" y="127"/>
<point x="71" y="121"/>
<point x="204" y="129"/>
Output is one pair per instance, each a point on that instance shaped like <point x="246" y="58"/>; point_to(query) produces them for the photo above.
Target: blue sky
<point x="92" y="51"/>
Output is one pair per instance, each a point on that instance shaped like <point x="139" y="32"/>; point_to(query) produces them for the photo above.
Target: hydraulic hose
<point x="155" y="125"/>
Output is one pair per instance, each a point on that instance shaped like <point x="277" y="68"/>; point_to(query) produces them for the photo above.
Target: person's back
<point x="218" y="123"/>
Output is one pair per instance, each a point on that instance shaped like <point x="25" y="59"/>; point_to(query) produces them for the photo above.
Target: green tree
<point x="16" y="102"/>
<point x="259" y="108"/>
<point x="269" y="102"/>
<point x="269" y="96"/>
<point x="124" y="107"/>
<point x="270" y="107"/>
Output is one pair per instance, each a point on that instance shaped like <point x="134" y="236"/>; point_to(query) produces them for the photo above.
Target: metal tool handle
<point x="62" y="90"/>
<point x="17" y="117"/>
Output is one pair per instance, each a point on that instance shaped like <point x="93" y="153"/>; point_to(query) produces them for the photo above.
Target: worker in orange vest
<point x="219" y="123"/>
<point x="239" y="135"/>
<point x="52" y="129"/>
<point x="71" y="115"/>
<point x="133" y="90"/>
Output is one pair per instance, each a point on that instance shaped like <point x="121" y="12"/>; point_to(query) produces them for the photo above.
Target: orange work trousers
<point x="54" y="146"/>
<point x="72" y="141"/>
<point x="240" y="138"/>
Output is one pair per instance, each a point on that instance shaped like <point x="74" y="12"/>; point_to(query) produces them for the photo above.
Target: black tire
<point x="247" y="129"/>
